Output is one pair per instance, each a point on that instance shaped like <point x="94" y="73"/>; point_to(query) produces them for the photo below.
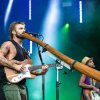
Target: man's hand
<point x="19" y="65"/>
<point x="15" y="62"/>
<point x="19" y="68"/>
<point x="95" y="89"/>
<point x="44" y="69"/>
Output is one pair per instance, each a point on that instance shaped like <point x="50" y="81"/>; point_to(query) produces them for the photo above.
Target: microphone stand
<point x="43" y="76"/>
<point x="59" y="67"/>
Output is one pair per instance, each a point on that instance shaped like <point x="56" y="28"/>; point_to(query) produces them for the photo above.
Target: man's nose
<point x="24" y="31"/>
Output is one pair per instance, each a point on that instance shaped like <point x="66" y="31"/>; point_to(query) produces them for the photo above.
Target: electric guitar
<point x="14" y="76"/>
<point x="94" y="95"/>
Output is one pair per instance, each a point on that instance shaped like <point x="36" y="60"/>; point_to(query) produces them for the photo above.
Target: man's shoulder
<point x="5" y="46"/>
<point x="7" y="43"/>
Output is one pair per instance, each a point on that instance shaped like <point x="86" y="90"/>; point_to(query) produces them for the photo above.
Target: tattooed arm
<point x="4" y="51"/>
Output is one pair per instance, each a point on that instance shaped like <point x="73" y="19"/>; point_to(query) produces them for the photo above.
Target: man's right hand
<point x="19" y="67"/>
<point x="15" y="62"/>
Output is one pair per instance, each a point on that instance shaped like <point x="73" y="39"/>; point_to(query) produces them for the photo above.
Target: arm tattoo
<point x="3" y="52"/>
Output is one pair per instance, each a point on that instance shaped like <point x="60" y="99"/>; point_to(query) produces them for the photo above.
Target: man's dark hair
<point x="12" y="27"/>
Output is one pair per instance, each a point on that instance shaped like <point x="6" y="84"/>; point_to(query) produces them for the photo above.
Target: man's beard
<point x="19" y="36"/>
<point x="92" y="66"/>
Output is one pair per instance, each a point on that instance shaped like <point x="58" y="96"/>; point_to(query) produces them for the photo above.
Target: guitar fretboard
<point x="40" y="66"/>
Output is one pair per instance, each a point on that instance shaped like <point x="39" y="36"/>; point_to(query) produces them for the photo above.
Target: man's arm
<point x="83" y="85"/>
<point x="27" y="61"/>
<point x="44" y="70"/>
<point x="4" y="50"/>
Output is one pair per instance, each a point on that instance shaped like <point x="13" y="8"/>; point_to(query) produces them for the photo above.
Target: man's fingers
<point x="22" y="68"/>
<point x="45" y="68"/>
<point x="16" y="62"/>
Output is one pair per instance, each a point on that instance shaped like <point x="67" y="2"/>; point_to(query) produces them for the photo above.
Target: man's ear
<point x="13" y="32"/>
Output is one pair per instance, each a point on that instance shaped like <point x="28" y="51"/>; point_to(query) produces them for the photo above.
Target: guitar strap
<point x="93" y="82"/>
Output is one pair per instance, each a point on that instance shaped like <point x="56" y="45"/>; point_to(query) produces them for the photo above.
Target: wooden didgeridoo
<point x="93" y="73"/>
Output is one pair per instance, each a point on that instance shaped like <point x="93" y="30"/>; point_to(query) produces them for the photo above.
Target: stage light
<point x="67" y="25"/>
<point x="8" y="11"/>
<point x="65" y="29"/>
<point x="31" y="47"/>
<point x="80" y="11"/>
<point x="30" y="18"/>
<point x="30" y="10"/>
<point x="51" y="21"/>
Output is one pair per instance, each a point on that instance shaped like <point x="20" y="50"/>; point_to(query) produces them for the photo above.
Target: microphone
<point x="34" y="34"/>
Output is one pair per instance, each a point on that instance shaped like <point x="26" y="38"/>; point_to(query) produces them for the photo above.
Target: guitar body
<point x="94" y="95"/>
<point x="15" y="77"/>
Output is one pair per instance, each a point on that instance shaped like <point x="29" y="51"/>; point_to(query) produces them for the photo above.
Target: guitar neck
<point x="32" y="68"/>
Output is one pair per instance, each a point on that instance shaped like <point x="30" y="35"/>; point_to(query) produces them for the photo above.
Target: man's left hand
<point x="44" y="68"/>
